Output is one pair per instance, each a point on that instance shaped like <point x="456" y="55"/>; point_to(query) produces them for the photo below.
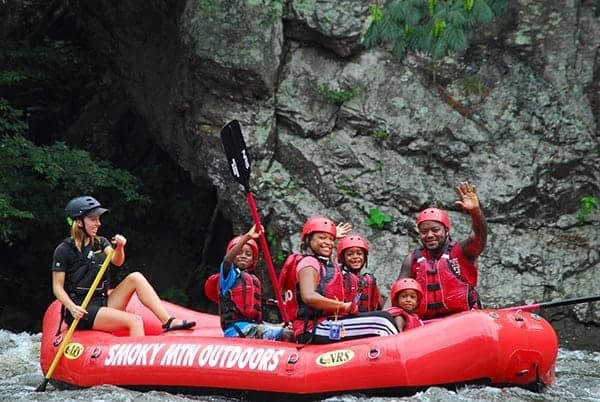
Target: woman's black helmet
<point x="84" y="206"/>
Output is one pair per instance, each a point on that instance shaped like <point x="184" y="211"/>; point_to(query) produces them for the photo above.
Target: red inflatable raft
<point x="494" y="347"/>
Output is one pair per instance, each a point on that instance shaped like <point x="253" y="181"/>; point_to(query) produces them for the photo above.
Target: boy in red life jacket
<point x="405" y="295"/>
<point x="353" y="252"/>
<point x="240" y="292"/>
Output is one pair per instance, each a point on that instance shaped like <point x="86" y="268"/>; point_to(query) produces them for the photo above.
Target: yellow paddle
<point x="67" y="338"/>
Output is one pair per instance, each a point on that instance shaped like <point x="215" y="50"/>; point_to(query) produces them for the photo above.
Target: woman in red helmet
<point x="322" y="315"/>
<point x="405" y="295"/>
<point x="75" y="264"/>
<point x="240" y="292"/>
<point x="446" y="269"/>
<point x="353" y="252"/>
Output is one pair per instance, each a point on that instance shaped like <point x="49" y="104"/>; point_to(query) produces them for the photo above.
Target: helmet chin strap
<point x="84" y="229"/>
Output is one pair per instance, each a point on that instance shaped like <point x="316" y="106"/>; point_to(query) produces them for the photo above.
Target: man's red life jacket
<point x="448" y="282"/>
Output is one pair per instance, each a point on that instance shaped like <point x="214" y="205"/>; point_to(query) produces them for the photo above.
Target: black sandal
<point x="184" y="325"/>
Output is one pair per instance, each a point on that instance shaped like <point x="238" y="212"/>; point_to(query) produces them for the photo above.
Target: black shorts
<point x="87" y="322"/>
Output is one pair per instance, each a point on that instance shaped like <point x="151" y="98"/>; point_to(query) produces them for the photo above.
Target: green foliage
<point x="380" y="134"/>
<point x="10" y="77"/>
<point x="270" y="236"/>
<point x="175" y="295"/>
<point x="26" y="66"/>
<point x="37" y="181"/>
<point x="337" y="97"/>
<point x="376" y="13"/>
<point x="473" y="86"/>
<point x="10" y="118"/>
<point x="377" y="218"/>
<point x="589" y="204"/>
<point x="279" y="258"/>
<point x="433" y="27"/>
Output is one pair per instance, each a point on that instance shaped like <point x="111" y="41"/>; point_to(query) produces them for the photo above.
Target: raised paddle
<point x="238" y="160"/>
<point x="555" y="303"/>
<point x="67" y="338"/>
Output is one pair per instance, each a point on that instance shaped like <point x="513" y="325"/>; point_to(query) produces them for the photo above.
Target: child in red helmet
<point x="352" y="253"/>
<point x="239" y="292"/>
<point x="406" y="294"/>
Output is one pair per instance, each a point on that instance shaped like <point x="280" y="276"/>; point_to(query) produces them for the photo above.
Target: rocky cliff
<point x="517" y="114"/>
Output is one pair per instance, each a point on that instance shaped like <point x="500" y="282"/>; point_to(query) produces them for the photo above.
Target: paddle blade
<point x="42" y="386"/>
<point x="238" y="158"/>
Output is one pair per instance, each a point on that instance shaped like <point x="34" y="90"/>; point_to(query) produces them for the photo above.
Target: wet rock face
<point x="338" y="130"/>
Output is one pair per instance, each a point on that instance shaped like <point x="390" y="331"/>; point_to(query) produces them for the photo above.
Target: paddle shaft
<point x="267" y="254"/>
<point x="239" y="162"/>
<point x="556" y="303"/>
<point x="69" y="334"/>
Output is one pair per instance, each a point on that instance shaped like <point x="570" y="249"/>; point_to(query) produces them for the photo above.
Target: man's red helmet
<point x="434" y="214"/>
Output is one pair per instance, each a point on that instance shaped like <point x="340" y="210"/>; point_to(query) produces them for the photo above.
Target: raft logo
<point x="335" y="358"/>
<point x="194" y="355"/>
<point x="73" y="350"/>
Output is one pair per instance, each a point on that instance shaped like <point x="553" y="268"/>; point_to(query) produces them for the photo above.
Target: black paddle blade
<point x="238" y="158"/>
<point x="42" y="386"/>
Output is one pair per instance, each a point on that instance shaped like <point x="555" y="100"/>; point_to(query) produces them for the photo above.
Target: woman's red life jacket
<point x="330" y="285"/>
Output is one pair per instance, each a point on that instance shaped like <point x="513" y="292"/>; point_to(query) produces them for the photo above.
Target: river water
<point x="577" y="379"/>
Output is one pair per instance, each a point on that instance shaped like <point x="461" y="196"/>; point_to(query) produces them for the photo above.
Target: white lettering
<point x="246" y="160"/>
<point x="233" y="356"/>
<point x="205" y="355"/>
<point x="275" y="360"/>
<point x="131" y="354"/>
<point x="265" y="359"/>
<point x="234" y="168"/>
<point x="255" y="358"/>
<point x="214" y="357"/>
<point x="155" y="349"/>
<point x="117" y="355"/>
<point x="192" y="355"/>
<point x="288" y="295"/>
<point x="226" y="351"/>
<point x="245" y="356"/>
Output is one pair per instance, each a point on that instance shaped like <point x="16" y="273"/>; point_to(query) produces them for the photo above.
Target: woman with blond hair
<point x="75" y="264"/>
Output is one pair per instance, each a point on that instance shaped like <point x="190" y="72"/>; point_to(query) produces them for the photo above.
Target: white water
<point x="577" y="379"/>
